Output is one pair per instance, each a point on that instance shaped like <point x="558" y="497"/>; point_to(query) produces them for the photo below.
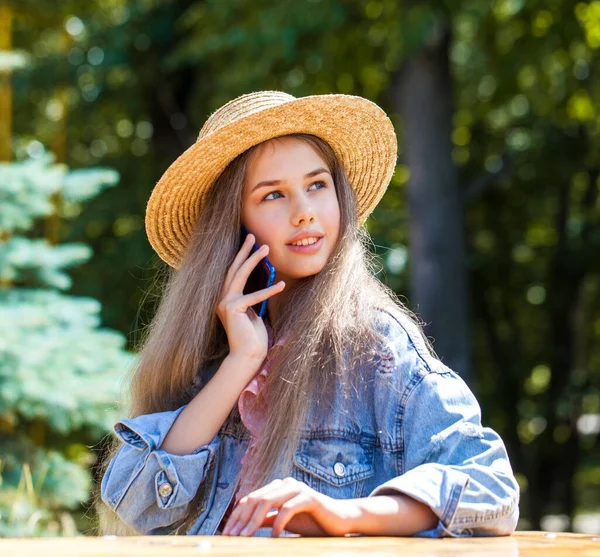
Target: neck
<point x="273" y="309"/>
<point x="275" y="304"/>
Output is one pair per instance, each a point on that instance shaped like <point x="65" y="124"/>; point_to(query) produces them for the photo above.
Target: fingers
<point x="241" y="256"/>
<point x="241" y="277"/>
<point x="245" y="507"/>
<point x="303" y="502"/>
<point x="251" y="511"/>
<point x="260" y="295"/>
<point x="254" y="522"/>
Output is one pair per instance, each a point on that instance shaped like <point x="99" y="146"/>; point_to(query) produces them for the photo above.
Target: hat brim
<point x="359" y="132"/>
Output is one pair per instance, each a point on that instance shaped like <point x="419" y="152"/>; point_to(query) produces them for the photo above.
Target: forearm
<point x="202" y="418"/>
<point x="391" y="515"/>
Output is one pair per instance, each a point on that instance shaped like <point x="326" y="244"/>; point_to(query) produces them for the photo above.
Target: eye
<point x="267" y="196"/>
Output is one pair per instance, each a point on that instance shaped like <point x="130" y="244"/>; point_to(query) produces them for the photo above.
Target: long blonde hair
<point x="327" y="324"/>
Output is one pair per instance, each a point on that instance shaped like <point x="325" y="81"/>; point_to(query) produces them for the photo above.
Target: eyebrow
<point x="266" y="183"/>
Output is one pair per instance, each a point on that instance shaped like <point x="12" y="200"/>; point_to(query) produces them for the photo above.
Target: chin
<point x="306" y="273"/>
<point x="297" y="272"/>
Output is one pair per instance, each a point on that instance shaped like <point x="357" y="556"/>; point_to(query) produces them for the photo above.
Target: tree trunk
<point x="422" y="95"/>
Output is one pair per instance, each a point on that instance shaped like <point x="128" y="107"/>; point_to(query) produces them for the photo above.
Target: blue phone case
<point x="261" y="307"/>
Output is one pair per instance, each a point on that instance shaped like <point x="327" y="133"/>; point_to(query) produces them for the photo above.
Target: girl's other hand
<point x="246" y="332"/>
<point x="300" y="510"/>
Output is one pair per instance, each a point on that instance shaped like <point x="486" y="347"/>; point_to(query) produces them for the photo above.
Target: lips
<point x="310" y="240"/>
<point x="306" y="234"/>
<point x="310" y="248"/>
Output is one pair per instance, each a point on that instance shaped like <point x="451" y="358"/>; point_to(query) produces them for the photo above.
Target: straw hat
<point x="358" y="131"/>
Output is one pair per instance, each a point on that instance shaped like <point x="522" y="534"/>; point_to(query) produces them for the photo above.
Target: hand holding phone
<point x="261" y="277"/>
<point x="246" y="332"/>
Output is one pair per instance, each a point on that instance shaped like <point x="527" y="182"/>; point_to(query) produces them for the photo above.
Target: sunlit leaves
<point x="589" y="15"/>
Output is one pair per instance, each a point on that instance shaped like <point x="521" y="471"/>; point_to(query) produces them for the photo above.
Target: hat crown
<point x="241" y="107"/>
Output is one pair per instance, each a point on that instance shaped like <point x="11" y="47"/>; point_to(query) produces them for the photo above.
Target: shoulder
<point x="401" y="338"/>
<point x="404" y="351"/>
<point x="404" y="361"/>
<point x="410" y="376"/>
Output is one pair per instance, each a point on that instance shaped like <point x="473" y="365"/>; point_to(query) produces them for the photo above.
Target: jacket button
<point x="339" y="469"/>
<point x="165" y="489"/>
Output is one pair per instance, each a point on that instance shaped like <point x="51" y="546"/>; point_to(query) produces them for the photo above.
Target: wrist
<point x="248" y="362"/>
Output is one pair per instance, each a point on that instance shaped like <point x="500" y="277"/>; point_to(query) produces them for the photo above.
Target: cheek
<point x="262" y="227"/>
<point x="333" y="219"/>
<point x="268" y="232"/>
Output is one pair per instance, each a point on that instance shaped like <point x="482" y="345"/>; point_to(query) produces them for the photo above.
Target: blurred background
<point x="490" y="227"/>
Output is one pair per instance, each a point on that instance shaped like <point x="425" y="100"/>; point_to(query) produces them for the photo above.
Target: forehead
<point x="282" y="158"/>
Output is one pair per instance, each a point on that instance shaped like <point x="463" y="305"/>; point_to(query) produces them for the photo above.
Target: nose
<point x="303" y="212"/>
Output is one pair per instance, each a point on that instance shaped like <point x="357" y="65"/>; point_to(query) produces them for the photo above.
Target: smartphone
<point x="262" y="276"/>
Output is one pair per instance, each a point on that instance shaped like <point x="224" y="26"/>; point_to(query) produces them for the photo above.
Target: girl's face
<point x="289" y="193"/>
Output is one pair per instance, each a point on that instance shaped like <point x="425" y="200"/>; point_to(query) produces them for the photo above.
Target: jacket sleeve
<point x="446" y="459"/>
<point x="148" y="488"/>
<point x="452" y="464"/>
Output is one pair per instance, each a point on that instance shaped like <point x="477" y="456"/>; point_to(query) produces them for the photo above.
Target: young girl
<point x="329" y="415"/>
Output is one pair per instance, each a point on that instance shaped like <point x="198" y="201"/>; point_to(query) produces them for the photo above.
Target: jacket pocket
<point x="335" y="465"/>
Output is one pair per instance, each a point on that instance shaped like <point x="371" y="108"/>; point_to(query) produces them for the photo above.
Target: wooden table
<point x="521" y="544"/>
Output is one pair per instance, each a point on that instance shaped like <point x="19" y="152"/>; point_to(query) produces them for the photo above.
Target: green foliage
<point x="35" y="499"/>
<point x="56" y="364"/>
<point x="36" y="261"/>
<point x="60" y="372"/>
<point x="26" y="193"/>
<point x="28" y="186"/>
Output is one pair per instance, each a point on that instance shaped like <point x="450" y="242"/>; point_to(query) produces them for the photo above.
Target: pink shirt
<point x="253" y="412"/>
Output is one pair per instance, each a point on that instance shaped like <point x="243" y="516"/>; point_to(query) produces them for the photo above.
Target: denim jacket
<point x="414" y="429"/>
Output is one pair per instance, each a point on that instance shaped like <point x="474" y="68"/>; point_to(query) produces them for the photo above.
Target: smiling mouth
<point x="307" y="248"/>
<point x="306" y="241"/>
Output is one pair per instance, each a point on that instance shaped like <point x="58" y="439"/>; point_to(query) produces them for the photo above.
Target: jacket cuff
<point x="437" y="486"/>
<point x="147" y="431"/>
<point x="175" y="478"/>
<point x="179" y="476"/>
